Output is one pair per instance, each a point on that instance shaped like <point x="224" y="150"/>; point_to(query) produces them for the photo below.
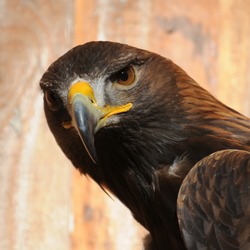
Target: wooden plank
<point x="35" y="191"/>
<point x="234" y="55"/>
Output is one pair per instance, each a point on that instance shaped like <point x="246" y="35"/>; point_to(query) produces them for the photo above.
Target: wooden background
<point x="44" y="202"/>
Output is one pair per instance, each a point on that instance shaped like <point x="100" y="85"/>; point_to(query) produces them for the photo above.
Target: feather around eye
<point x="125" y="76"/>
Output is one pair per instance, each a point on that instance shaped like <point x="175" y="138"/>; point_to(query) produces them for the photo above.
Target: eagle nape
<point x="136" y="123"/>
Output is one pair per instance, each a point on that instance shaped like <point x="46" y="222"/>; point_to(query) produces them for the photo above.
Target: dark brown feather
<point x="143" y="159"/>
<point x="214" y="202"/>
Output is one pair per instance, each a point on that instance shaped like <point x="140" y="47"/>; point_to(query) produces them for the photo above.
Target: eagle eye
<point x="52" y="99"/>
<point x="125" y="76"/>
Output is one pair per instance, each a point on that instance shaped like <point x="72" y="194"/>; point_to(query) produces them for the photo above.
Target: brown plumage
<point x="214" y="202"/>
<point x="137" y="123"/>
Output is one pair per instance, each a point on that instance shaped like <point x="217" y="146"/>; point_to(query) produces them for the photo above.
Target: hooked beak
<point x="87" y="116"/>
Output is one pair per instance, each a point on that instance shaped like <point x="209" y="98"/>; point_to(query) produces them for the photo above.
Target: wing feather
<point x="214" y="202"/>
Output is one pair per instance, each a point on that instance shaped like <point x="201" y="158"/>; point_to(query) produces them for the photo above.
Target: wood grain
<point x="234" y="55"/>
<point x="35" y="191"/>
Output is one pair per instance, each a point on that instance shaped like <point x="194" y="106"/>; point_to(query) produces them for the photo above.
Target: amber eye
<point x="126" y="76"/>
<point x="53" y="101"/>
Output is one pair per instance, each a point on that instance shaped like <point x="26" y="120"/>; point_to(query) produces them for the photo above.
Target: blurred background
<point x="45" y="203"/>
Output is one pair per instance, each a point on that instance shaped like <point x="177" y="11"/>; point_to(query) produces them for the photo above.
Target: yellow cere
<point x="80" y="88"/>
<point x="83" y="88"/>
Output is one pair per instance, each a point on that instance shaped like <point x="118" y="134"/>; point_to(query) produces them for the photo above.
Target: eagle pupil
<point x="123" y="76"/>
